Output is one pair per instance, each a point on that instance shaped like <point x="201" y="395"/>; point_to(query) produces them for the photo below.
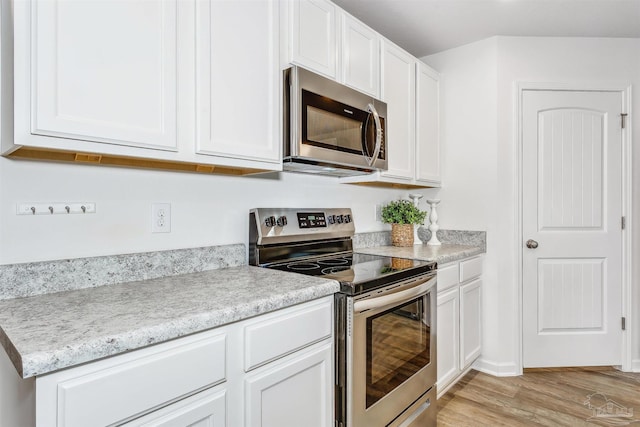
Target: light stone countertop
<point x="45" y="333"/>
<point x="441" y="254"/>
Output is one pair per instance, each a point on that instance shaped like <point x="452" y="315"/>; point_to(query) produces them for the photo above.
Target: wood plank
<point x="547" y="397"/>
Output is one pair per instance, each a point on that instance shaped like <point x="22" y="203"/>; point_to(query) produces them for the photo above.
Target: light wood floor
<point x="546" y="397"/>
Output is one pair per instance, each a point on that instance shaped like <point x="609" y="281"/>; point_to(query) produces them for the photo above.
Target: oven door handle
<point x="384" y="300"/>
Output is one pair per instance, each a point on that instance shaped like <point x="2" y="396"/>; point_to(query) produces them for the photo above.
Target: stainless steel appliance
<point x="385" y="314"/>
<point x="331" y="129"/>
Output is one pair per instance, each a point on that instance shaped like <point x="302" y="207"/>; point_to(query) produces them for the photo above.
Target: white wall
<point x="520" y="59"/>
<point x="206" y="209"/>
<point x="468" y="131"/>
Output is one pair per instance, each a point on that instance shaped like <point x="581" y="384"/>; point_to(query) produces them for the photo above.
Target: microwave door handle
<point x="393" y="298"/>
<point x="376" y="119"/>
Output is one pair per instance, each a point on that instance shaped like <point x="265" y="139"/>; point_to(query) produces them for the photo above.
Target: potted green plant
<point x="402" y="215"/>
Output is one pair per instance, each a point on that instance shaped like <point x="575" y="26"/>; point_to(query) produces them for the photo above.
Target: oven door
<point x="392" y="357"/>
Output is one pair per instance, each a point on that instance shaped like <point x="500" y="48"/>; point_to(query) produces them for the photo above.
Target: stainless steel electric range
<point x="385" y="314"/>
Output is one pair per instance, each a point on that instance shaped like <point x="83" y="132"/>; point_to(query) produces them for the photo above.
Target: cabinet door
<point x="119" y="388"/>
<point x="205" y="409"/>
<point x="313" y="36"/>
<point x="470" y="322"/>
<point x="104" y="71"/>
<point x="237" y="79"/>
<point x="448" y="336"/>
<point x="360" y="56"/>
<point x="427" y="126"/>
<point x="398" y="91"/>
<point x="297" y="392"/>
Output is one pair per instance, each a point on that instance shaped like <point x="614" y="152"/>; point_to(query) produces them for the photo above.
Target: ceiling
<point x="424" y="27"/>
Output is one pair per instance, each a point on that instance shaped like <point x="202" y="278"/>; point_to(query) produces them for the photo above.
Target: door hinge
<point x="623" y="223"/>
<point x="623" y="120"/>
<point x="624" y="323"/>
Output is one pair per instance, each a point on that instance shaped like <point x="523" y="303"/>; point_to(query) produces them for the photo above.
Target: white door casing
<point x="572" y="206"/>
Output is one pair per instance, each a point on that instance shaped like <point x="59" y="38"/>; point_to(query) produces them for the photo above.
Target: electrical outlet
<point x="379" y="213"/>
<point x="161" y="217"/>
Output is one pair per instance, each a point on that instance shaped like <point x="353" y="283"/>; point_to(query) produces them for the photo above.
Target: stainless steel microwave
<point x="331" y="129"/>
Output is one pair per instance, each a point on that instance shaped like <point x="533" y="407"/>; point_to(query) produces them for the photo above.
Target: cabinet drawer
<point x="117" y="390"/>
<point x="207" y="408"/>
<point x="285" y="333"/>
<point x="448" y="276"/>
<point x="470" y="268"/>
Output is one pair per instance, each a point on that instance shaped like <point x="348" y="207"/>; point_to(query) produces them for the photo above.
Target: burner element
<point x="303" y="266"/>
<point x="336" y="269"/>
<point x="334" y="261"/>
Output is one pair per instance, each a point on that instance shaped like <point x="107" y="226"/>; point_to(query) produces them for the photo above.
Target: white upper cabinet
<point x="411" y="90"/>
<point x="398" y="91"/>
<point x="192" y="86"/>
<point x="360" y="63"/>
<point x="103" y="71"/>
<point x="371" y="64"/>
<point x="427" y="126"/>
<point x="238" y="79"/>
<point x="313" y="36"/>
<point x="323" y="38"/>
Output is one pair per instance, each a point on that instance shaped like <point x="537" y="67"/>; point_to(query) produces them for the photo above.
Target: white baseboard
<point x="635" y="365"/>
<point x="496" y="369"/>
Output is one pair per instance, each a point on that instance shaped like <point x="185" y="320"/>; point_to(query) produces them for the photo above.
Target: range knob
<point x="339" y="219"/>
<point x="270" y="221"/>
<point x="331" y="219"/>
<point x="347" y="219"/>
<point x="282" y="221"/>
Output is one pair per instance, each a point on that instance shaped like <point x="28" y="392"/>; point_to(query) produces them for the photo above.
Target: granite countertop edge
<point x="70" y="353"/>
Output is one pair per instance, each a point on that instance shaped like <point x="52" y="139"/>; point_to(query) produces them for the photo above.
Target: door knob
<point x="532" y="244"/>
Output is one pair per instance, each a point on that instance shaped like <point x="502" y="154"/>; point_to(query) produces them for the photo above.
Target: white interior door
<point x="572" y="209"/>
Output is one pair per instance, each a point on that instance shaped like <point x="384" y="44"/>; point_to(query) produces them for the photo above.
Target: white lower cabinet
<point x="293" y="393"/>
<point x="205" y="409"/>
<point x="448" y="336"/>
<point x="470" y="321"/>
<point x="459" y="319"/>
<point x="272" y="370"/>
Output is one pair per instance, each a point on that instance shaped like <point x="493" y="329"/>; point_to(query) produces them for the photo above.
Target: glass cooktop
<point x="359" y="272"/>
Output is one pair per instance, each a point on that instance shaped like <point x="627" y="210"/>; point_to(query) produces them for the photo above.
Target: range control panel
<point x="311" y="219"/>
<point x="311" y="223"/>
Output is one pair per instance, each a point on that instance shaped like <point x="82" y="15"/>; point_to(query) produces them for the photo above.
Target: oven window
<point x="398" y="346"/>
